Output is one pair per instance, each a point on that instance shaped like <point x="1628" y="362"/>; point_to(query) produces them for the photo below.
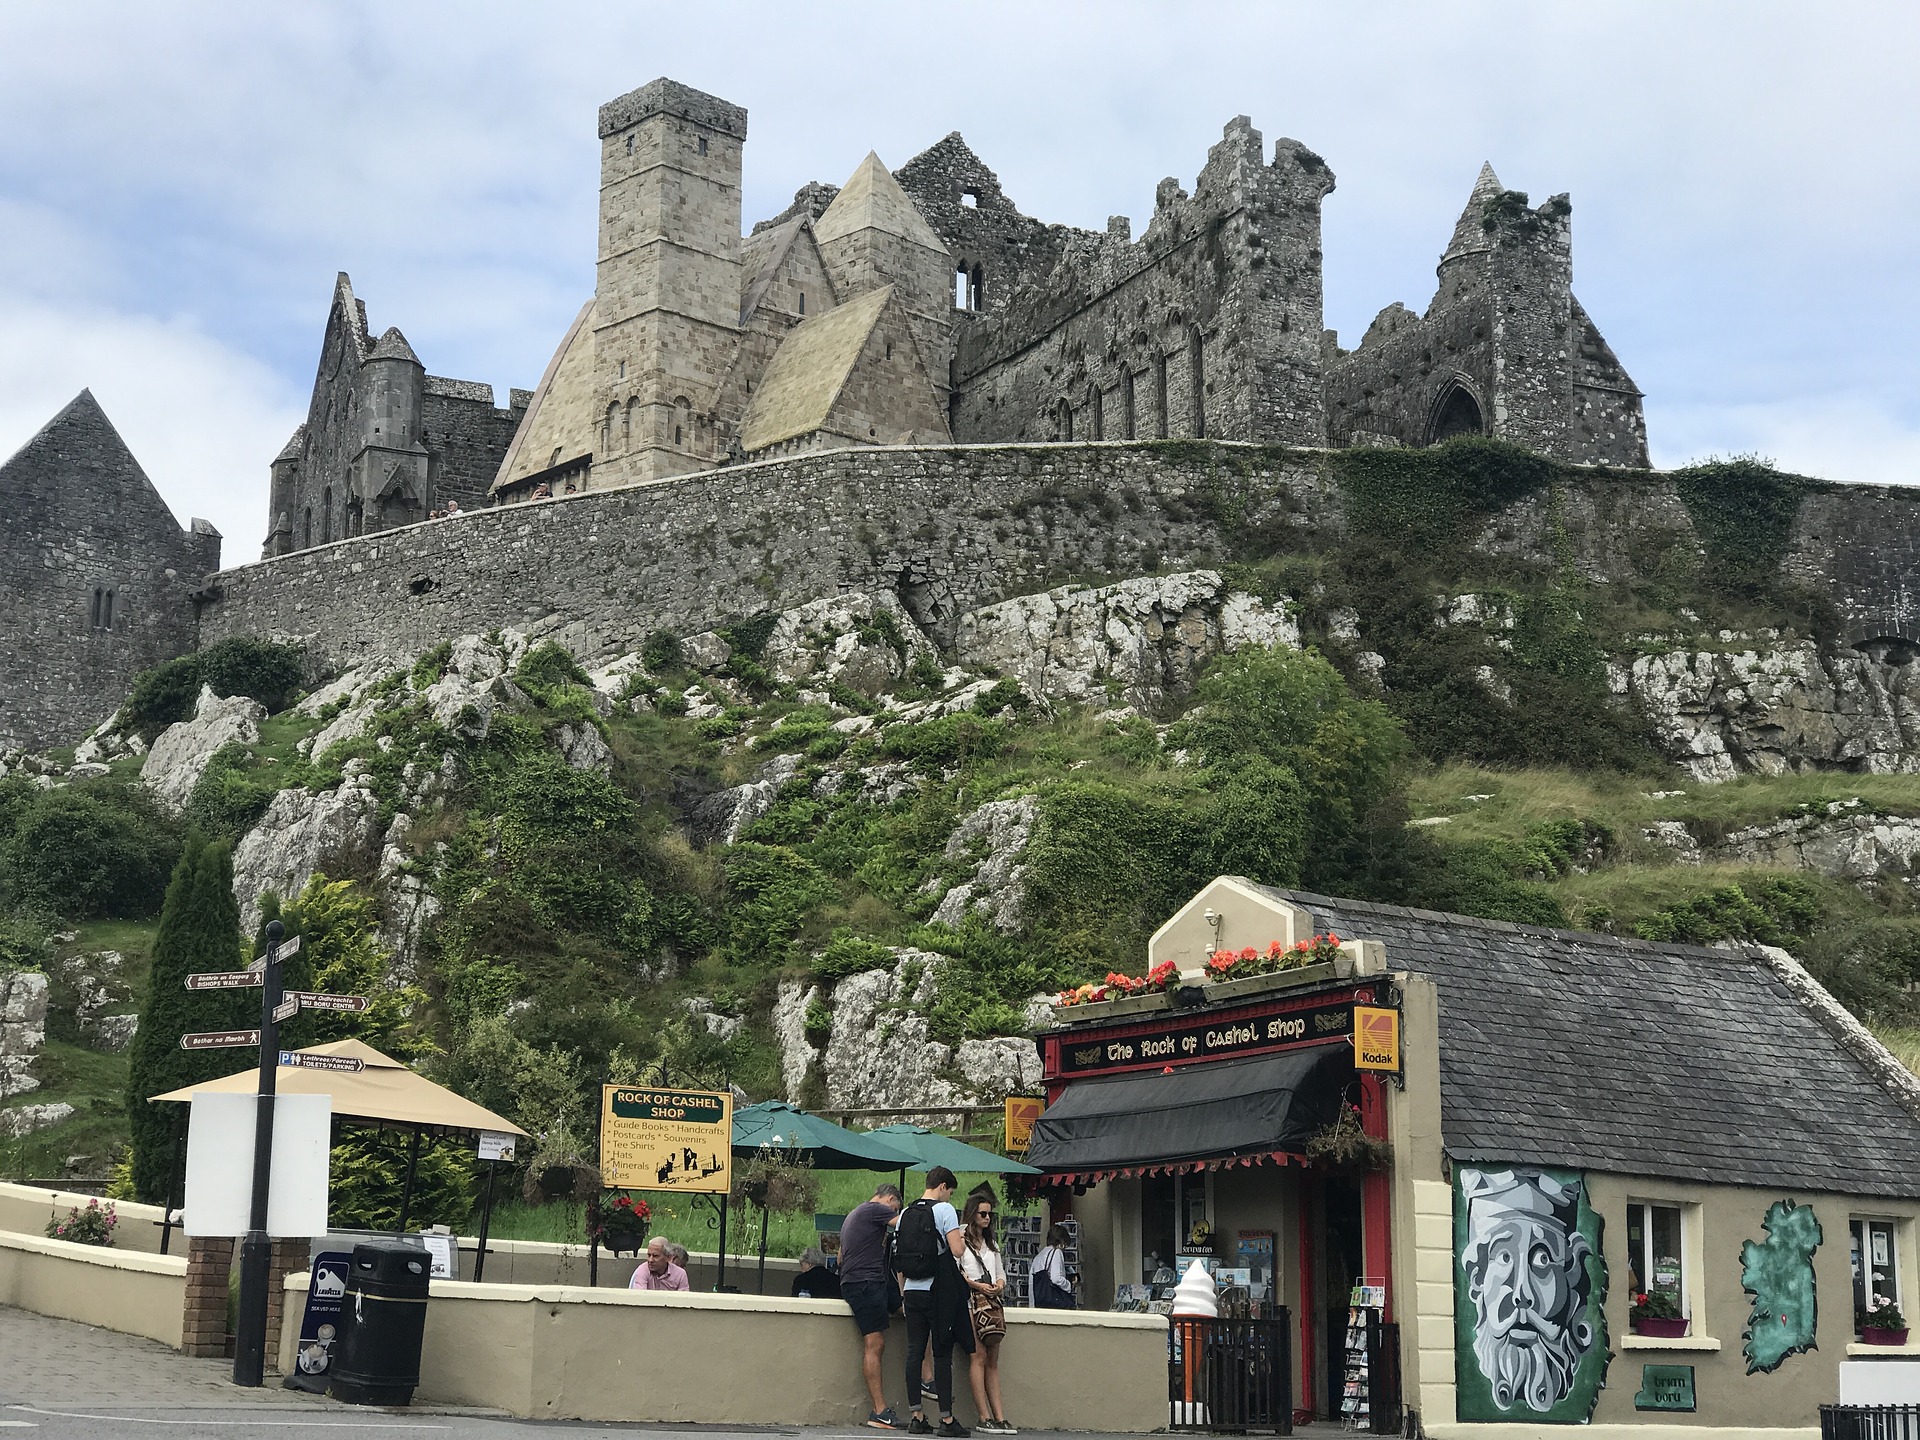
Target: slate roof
<point x="1567" y="1048"/>
<point x="809" y="370"/>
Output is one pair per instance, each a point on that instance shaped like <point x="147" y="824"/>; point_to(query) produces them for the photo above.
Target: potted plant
<point x="1118" y="994"/>
<point x="1234" y="972"/>
<point x="621" y="1224"/>
<point x="1345" y="1145"/>
<point x="1656" y="1313"/>
<point x="1881" y="1324"/>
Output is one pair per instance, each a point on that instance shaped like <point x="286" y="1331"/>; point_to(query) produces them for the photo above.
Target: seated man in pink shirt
<point x="657" y="1271"/>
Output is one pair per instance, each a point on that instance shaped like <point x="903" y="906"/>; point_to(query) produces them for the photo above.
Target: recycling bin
<point x="382" y="1319"/>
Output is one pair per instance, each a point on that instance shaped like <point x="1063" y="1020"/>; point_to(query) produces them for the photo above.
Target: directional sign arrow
<point x="218" y="1039"/>
<point x="286" y="1009"/>
<point x="225" y="980"/>
<point x="320" y="1000"/>
<point x="296" y="1059"/>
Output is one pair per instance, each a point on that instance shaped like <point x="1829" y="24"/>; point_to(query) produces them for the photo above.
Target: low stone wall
<point x="26" y="1209"/>
<point x="542" y="1262"/>
<point x="570" y="1353"/>
<point x="96" y="1285"/>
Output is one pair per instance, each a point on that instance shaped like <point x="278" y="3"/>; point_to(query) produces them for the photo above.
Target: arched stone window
<point x="326" y="516"/>
<point x="1064" y="415"/>
<point x="1097" y="422"/>
<point x="682" y="419"/>
<point x="1455" y="412"/>
<point x="606" y="429"/>
<point x="306" y="528"/>
<point x="1197" y="366"/>
<point x="1127" y="416"/>
<point x="1160" y="430"/>
<point x="967" y="287"/>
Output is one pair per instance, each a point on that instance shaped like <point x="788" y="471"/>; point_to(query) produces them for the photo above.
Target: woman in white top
<point x="986" y="1274"/>
<point x="1049" y="1288"/>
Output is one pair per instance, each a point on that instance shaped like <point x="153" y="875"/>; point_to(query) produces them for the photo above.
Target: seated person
<point x="657" y="1271"/>
<point x="815" y="1280"/>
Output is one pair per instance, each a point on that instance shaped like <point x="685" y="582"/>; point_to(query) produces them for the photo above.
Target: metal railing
<point x="1870" y="1422"/>
<point x="1233" y="1375"/>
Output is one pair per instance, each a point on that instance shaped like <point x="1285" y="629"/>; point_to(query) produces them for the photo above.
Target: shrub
<point x="549" y="667"/>
<point x="163" y="695"/>
<point x="91" y="851"/>
<point x="662" y="652"/>
<point x="849" y="954"/>
<point x="261" y="669"/>
<point x="229" y="799"/>
<point x="91" y="1226"/>
<point x="1766" y="911"/>
<point x="368" y="1173"/>
<point x="772" y="890"/>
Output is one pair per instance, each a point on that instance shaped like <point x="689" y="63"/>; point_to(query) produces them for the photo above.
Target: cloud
<point x="202" y="419"/>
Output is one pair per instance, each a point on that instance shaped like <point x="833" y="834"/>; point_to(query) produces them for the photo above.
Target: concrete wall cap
<point x="102" y="1255"/>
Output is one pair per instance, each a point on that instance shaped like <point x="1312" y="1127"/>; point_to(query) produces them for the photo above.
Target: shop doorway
<point x="1338" y="1241"/>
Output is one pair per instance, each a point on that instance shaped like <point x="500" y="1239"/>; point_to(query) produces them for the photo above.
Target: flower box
<point x="1656" y="1328"/>
<point x="1106" y="1009"/>
<point x="1878" y="1335"/>
<point x="1218" y="990"/>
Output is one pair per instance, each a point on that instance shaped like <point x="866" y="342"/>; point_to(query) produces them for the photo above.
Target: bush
<point x="91" y="851"/>
<point x="848" y="954"/>
<point x="261" y="669"/>
<point x="549" y="667"/>
<point x="368" y="1174"/>
<point x="228" y="800"/>
<point x="772" y="890"/>
<point x="91" y="1226"/>
<point x="1766" y="911"/>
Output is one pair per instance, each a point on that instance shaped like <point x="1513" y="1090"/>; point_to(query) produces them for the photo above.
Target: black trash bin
<point x="382" y="1319"/>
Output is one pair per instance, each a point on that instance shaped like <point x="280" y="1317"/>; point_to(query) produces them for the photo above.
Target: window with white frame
<point x="1876" y="1264"/>
<point x="1659" y="1253"/>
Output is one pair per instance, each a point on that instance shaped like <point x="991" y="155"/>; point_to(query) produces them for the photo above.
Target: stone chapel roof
<point x="1469" y="233"/>
<point x="808" y="371"/>
<point x="1561" y="1047"/>
<point x="873" y="200"/>
<point x="761" y="255"/>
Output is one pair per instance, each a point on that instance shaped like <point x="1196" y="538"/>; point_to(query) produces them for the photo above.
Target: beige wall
<point x="95" y="1285"/>
<point x="554" y="1352"/>
<point x="1246" y="917"/>
<point x="25" y="1210"/>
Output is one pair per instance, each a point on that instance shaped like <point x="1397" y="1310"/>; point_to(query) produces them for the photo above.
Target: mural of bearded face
<point x="1526" y="1266"/>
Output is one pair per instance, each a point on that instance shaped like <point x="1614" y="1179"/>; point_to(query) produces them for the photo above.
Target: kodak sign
<point x="1376" y="1039"/>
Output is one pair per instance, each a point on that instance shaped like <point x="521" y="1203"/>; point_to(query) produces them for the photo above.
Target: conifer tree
<point x="199" y="930"/>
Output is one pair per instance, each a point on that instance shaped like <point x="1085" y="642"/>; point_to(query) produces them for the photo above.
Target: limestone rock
<point x="1782" y="709"/>
<point x="723" y="1027"/>
<point x="863" y="641"/>
<point x="1141" y="639"/>
<point x="583" y="747"/>
<point x="180" y="755"/>
<point x="1840" y="839"/>
<point x="797" y="1056"/>
<point x="721" y="816"/>
<point x="475" y="684"/>
<point x="23" y="1029"/>
<point x="995" y="835"/>
<point x="1676" y="837"/>
<point x="301" y="832"/>
<point x="22" y="1120"/>
<point x="705" y="651"/>
<point x="96" y="986"/>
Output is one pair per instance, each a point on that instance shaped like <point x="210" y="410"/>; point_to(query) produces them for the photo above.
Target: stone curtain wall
<point x="946" y="529"/>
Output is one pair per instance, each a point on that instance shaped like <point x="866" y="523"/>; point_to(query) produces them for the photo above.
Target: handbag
<point x="988" y="1314"/>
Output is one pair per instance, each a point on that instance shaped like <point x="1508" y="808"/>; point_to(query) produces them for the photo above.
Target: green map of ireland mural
<point x="1778" y="1273"/>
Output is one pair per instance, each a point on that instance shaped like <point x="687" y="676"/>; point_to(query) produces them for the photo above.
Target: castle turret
<point x="667" y="293"/>
<point x="283" y="491"/>
<point x="387" y="479"/>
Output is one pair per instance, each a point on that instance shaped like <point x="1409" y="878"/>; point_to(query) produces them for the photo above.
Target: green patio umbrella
<point x="931" y="1148"/>
<point x="794" y="1133"/>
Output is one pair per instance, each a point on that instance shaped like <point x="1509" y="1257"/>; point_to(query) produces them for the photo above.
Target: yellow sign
<point x="1022" y="1111"/>
<point x="654" y="1139"/>
<point x="1376" y="1038"/>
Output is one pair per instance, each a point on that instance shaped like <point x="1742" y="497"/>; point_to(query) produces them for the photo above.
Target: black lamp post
<point x="256" y="1250"/>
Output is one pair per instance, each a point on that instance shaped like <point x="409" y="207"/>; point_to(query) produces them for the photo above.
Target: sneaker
<point x="918" y="1425"/>
<point x="952" y="1429"/>
<point x="884" y="1420"/>
<point x="1004" y="1428"/>
<point x="988" y="1427"/>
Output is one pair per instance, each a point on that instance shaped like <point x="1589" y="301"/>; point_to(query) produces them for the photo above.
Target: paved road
<point x="63" y="1381"/>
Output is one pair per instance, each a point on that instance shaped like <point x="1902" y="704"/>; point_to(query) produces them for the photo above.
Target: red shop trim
<point x="1182" y="1167"/>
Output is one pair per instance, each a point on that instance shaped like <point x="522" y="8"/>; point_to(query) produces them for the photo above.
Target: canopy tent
<point x="384" y="1092"/>
<point x="795" y="1134"/>
<point x="1265" y="1106"/>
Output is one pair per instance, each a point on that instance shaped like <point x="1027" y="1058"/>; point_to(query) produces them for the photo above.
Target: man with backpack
<point x="926" y="1251"/>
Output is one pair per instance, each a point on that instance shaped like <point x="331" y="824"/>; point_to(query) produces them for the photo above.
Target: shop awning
<point x="1266" y="1105"/>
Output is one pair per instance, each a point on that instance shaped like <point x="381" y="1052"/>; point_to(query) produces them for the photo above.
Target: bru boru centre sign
<point x="653" y="1138"/>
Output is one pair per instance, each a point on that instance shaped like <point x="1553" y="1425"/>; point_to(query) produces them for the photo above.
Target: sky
<point x="181" y="183"/>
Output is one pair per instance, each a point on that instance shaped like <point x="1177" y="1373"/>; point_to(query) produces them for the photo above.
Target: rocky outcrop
<point x="22" y="1120"/>
<point x="474" y="683"/>
<point x="879" y="1050"/>
<point x="95" y="991"/>
<point x="1722" y="713"/>
<point x="303" y="831"/>
<point x="1842" y="839"/>
<point x="994" y="837"/>
<point x="1141" y="640"/>
<point x="23" y="1029"/>
<point x="180" y="755"/>
<point x="866" y="642"/>
<point x="721" y="816"/>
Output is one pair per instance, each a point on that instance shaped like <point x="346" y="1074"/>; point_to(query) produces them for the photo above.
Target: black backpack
<point x="916" y="1246"/>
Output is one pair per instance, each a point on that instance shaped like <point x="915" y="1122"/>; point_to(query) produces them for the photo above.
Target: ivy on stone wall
<point x="1432" y="497"/>
<point x="1743" y="512"/>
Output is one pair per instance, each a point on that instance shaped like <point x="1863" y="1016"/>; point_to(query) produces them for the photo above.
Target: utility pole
<point x="256" y="1250"/>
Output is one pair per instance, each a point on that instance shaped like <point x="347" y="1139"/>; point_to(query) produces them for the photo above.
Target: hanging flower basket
<point x="620" y="1224"/>
<point x="1344" y="1145"/>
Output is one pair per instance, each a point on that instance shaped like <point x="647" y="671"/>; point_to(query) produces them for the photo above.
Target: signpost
<point x="301" y="1060"/>
<point x="495" y="1146"/>
<point x="225" y="980"/>
<point x="320" y="1000"/>
<point x="661" y="1139"/>
<point x="218" y="1039"/>
<point x="286" y="1010"/>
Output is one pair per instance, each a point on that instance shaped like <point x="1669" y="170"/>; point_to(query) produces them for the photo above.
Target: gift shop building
<point x="1498" y="1178"/>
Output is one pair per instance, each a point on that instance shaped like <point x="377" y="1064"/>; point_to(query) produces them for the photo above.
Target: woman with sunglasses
<point x="986" y="1276"/>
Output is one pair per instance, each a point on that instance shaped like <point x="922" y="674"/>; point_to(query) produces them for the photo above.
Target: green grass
<point x="679" y="1217"/>
<point x="1904" y="1043"/>
<point x="96" y="1086"/>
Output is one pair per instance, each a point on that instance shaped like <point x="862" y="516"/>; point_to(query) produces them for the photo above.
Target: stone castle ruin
<point x="900" y="385"/>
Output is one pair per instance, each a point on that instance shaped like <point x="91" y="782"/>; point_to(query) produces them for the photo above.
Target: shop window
<point x="1660" y="1251"/>
<point x="1876" y="1264"/>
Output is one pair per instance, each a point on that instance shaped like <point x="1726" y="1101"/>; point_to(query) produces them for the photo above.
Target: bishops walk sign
<point x="660" y="1139"/>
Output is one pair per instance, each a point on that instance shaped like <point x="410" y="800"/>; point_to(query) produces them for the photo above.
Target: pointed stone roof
<point x="78" y="450"/>
<point x="761" y="257"/>
<point x="809" y="370"/>
<point x="296" y="445"/>
<point x="1469" y="235"/>
<point x="393" y="346"/>
<point x="873" y="200"/>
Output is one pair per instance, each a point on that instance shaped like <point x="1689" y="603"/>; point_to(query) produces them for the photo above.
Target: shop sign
<point x="1021" y="1112"/>
<point x="658" y="1139"/>
<point x="1376" y="1039"/>
<point x="1665" y="1387"/>
<point x="1205" y="1039"/>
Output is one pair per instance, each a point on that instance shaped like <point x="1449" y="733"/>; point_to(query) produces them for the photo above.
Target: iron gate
<point x="1232" y="1375"/>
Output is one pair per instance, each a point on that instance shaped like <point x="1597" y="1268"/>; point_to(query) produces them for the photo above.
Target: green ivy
<point x="1743" y="512"/>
